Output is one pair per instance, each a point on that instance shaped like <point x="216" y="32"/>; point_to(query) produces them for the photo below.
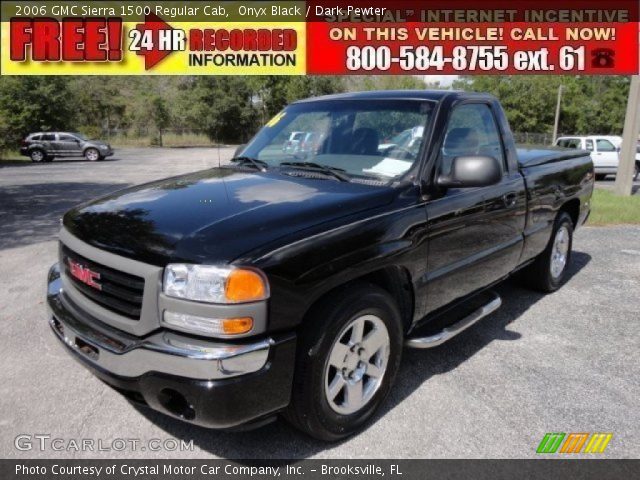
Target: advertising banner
<point x="319" y="38"/>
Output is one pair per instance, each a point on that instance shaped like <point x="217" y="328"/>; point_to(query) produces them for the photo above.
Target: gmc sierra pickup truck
<point x="288" y="283"/>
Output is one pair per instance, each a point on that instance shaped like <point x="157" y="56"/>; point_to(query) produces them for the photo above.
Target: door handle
<point x="510" y="199"/>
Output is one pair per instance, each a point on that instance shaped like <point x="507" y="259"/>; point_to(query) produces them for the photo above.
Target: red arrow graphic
<point x="154" y="24"/>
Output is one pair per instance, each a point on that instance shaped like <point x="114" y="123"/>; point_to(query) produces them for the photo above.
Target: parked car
<point x="604" y="152"/>
<point x="45" y="146"/>
<point x="295" y="293"/>
<point x="293" y="141"/>
<point x="408" y="139"/>
<point x="311" y="142"/>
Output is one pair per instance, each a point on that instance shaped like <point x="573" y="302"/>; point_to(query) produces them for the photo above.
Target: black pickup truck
<point x="288" y="282"/>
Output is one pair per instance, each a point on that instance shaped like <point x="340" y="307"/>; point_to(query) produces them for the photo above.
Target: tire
<point x="321" y="404"/>
<point x="600" y="176"/>
<point x="92" y="154"/>
<point x="37" y="155"/>
<point x="636" y="171"/>
<point x="548" y="271"/>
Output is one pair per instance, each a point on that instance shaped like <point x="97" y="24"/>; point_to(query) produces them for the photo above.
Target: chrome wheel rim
<point x="92" y="155"/>
<point x="37" y="156"/>
<point x="357" y="364"/>
<point x="559" y="252"/>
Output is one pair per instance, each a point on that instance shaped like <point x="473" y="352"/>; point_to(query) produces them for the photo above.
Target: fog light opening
<point x="176" y="403"/>
<point x="89" y="350"/>
<point x="58" y="326"/>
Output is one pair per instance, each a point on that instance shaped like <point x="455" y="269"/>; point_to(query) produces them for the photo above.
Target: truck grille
<point x="116" y="291"/>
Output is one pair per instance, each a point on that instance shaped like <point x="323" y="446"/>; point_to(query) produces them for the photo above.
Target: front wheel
<point x="348" y="356"/>
<point x="92" y="154"/>
<point x="549" y="270"/>
<point x="37" y="155"/>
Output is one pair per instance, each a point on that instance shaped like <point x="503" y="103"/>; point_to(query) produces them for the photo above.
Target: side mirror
<point x="472" y="171"/>
<point x="239" y="150"/>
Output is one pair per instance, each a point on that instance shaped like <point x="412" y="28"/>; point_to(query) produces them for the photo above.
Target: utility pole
<point x="624" y="176"/>
<point x="557" y="121"/>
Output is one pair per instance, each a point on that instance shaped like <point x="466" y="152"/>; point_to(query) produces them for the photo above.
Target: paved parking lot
<point x="566" y="362"/>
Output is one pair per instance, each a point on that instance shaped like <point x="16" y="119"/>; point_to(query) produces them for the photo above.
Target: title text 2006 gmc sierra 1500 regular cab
<point x="288" y="281"/>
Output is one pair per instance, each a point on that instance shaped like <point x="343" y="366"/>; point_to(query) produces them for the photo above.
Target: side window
<point x="605" y="145"/>
<point x="36" y="138"/>
<point x="472" y="130"/>
<point x="589" y="145"/>
<point x="66" y="138"/>
<point x="48" y="137"/>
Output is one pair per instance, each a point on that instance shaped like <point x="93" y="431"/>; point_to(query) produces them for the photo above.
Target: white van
<point x="604" y="153"/>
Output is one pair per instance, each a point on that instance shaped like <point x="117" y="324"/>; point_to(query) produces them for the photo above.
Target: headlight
<point x="212" y="284"/>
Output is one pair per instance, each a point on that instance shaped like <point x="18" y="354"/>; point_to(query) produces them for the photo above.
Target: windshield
<point x="80" y="136"/>
<point x="350" y="135"/>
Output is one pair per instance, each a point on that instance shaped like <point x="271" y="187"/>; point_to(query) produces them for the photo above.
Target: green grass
<point x="11" y="157"/>
<point x="610" y="209"/>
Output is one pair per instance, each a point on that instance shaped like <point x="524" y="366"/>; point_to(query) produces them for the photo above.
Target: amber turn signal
<point x="236" y="326"/>
<point x="245" y="286"/>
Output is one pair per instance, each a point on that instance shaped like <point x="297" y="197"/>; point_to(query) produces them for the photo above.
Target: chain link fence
<point x="528" y="138"/>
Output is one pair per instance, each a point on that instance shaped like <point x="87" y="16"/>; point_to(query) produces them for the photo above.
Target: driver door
<point x="606" y="154"/>
<point x="68" y="145"/>
<point x="475" y="234"/>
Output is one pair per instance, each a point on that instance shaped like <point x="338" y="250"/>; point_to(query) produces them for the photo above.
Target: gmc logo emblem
<point x="84" y="274"/>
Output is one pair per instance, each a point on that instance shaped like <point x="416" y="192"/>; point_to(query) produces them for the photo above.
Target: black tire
<point x="92" y="154"/>
<point x="49" y="159"/>
<point x="636" y="171"/>
<point x="600" y="176"/>
<point x="38" y="155"/>
<point x="539" y="275"/>
<point x="310" y="410"/>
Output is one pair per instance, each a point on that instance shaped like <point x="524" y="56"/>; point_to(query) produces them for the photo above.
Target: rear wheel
<point x="92" y="154"/>
<point x="37" y="155"/>
<point x="549" y="270"/>
<point x="636" y="171"/>
<point x="348" y="356"/>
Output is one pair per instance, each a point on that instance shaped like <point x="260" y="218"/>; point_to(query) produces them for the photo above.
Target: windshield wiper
<point x="335" y="172"/>
<point x="254" y="162"/>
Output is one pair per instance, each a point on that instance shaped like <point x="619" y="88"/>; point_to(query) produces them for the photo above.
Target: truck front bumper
<point x="206" y="382"/>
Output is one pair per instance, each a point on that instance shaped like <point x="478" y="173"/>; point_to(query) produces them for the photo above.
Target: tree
<point x="384" y="82"/>
<point x="590" y="105"/>
<point x="34" y="103"/>
<point x="221" y="107"/>
<point x="159" y="114"/>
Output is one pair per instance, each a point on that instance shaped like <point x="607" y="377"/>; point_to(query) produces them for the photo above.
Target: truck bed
<point x="532" y="155"/>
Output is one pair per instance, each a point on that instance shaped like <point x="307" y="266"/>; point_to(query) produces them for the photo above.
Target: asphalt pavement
<point x="565" y="362"/>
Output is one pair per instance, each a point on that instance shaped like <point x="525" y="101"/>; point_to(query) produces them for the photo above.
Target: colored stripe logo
<point x="574" y="443"/>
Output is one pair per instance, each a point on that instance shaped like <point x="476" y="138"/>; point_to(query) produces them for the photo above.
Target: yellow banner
<point x="49" y="43"/>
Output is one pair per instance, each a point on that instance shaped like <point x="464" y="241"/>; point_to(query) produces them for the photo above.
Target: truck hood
<point x="216" y="215"/>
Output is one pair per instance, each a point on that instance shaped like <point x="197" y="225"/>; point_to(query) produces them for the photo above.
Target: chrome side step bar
<point x="458" y="327"/>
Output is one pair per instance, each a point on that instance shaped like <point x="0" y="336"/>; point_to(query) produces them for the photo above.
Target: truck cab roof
<point x="433" y="95"/>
